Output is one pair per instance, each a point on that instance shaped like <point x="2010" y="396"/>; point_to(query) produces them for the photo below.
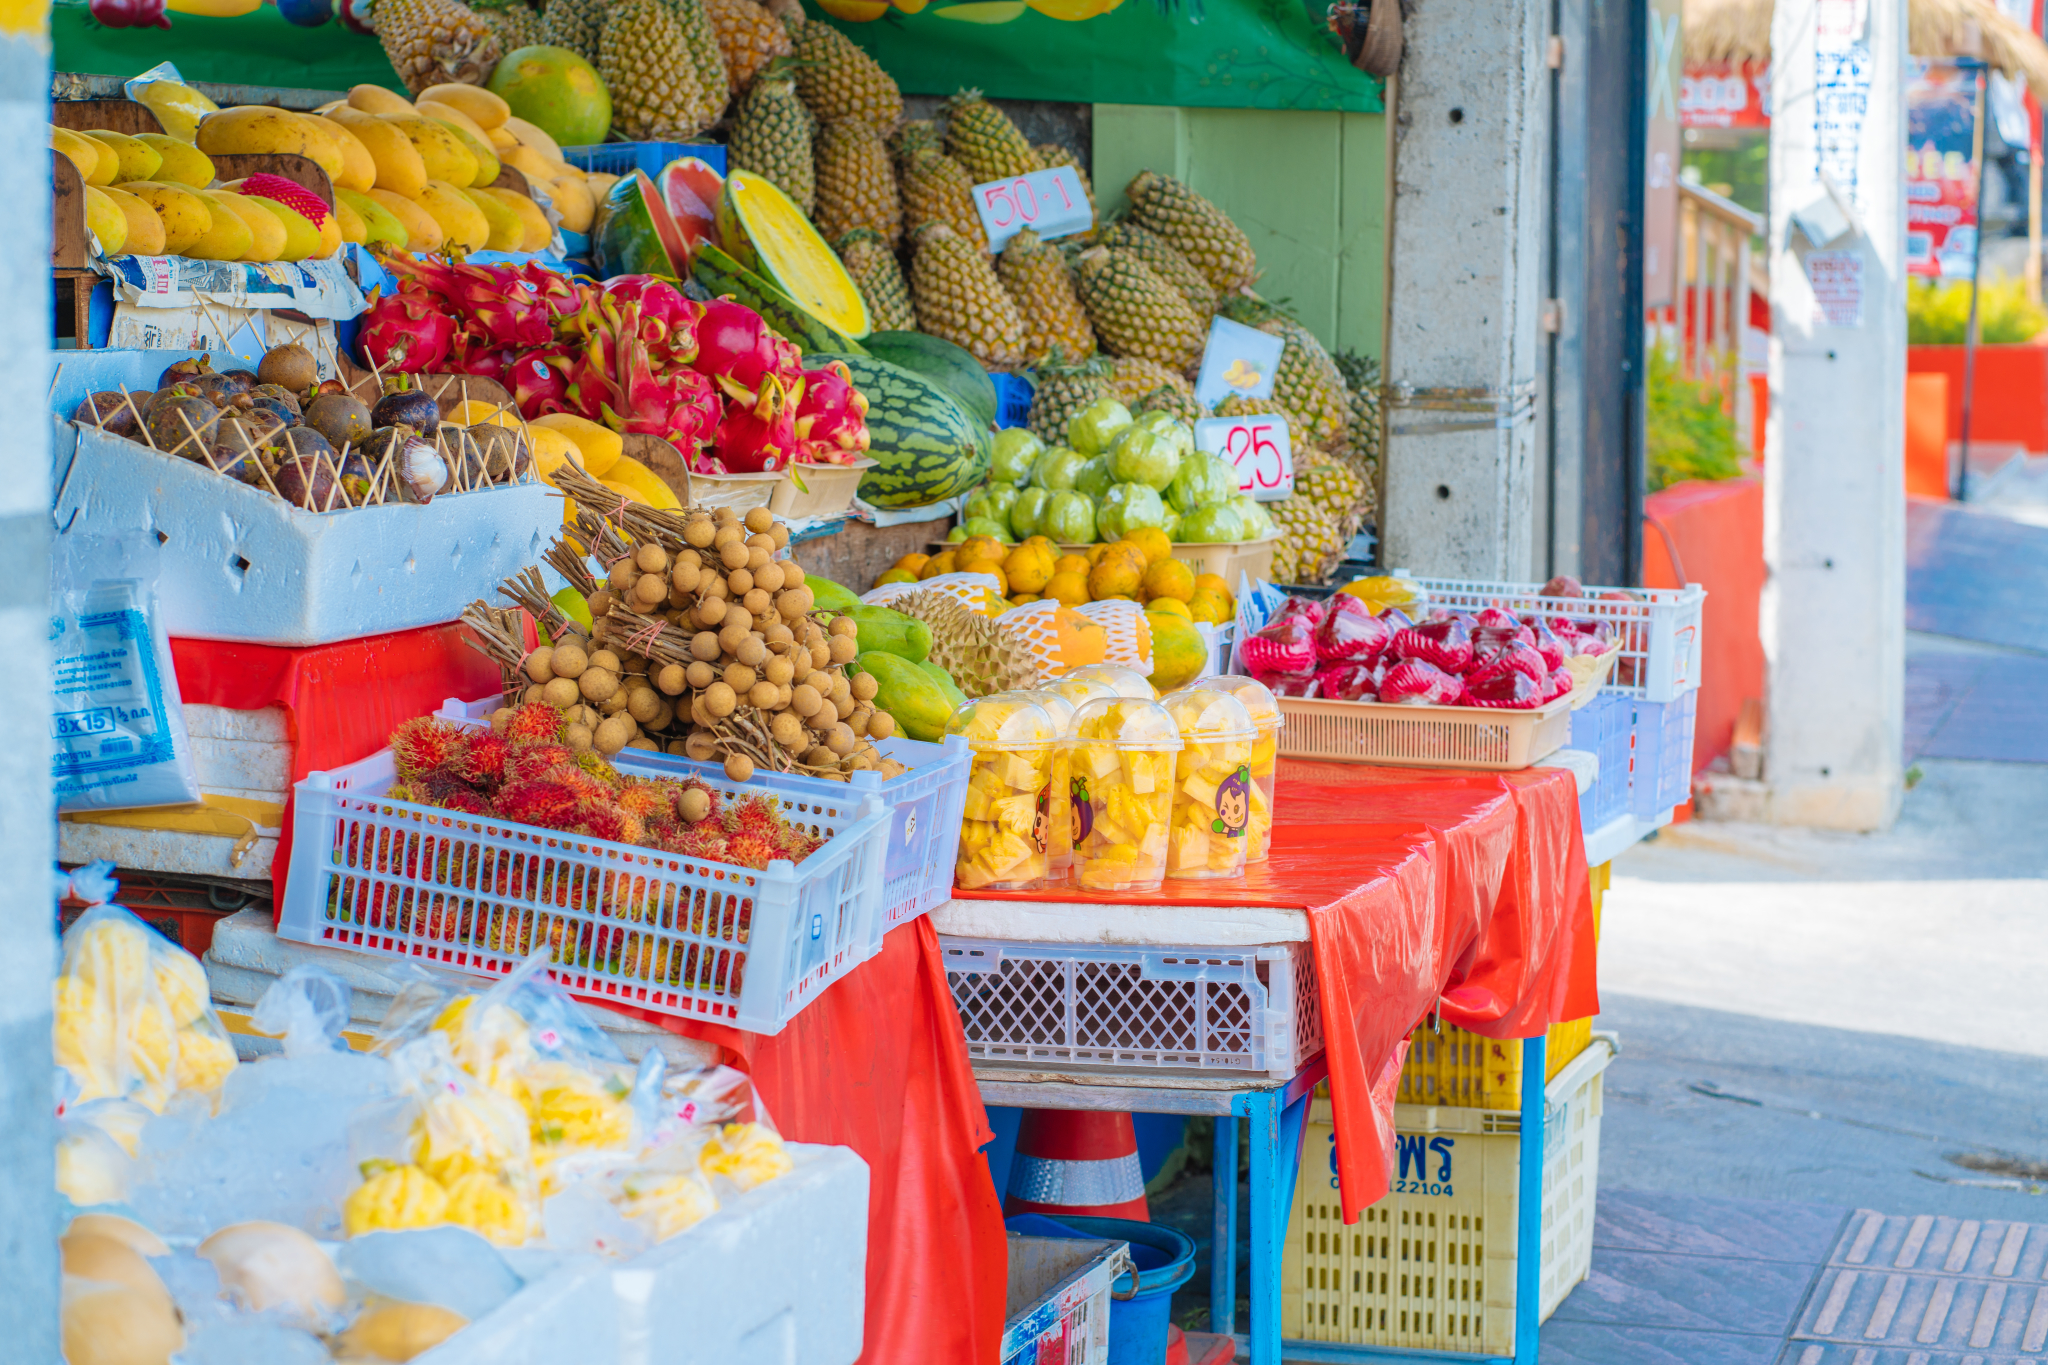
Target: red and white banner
<point x="1725" y="95"/>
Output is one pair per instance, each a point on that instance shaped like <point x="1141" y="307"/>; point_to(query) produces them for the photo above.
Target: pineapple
<point x="644" y="59"/>
<point x="771" y="136"/>
<point x="1051" y="154"/>
<point x="959" y="299"/>
<point x="748" y="37"/>
<point x="1063" y="390"/>
<point x="1134" y="377"/>
<point x="1361" y="447"/>
<point x="856" y="187"/>
<point x="839" y="81"/>
<point x="938" y="189"/>
<point x="981" y="137"/>
<point x="1135" y="312"/>
<point x="1176" y="269"/>
<point x="873" y="267"/>
<point x="1038" y="283"/>
<point x="1178" y="401"/>
<point x="436" y="42"/>
<point x="1308" y="380"/>
<point x="713" y="81"/>
<point x="917" y="135"/>
<point x="516" y="23"/>
<point x="1203" y="232"/>
<point x="573" y="24"/>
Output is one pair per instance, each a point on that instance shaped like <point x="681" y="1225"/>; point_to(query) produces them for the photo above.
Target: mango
<point x="145" y="229"/>
<point x="138" y="160"/>
<point x="440" y="150"/>
<point x="551" y="450"/>
<point x="104" y="220"/>
<point x="260" y="128"/>
<point x="375" y="99"/>
<point x="536" y="231"/>
<point x="358" y="167"/>
<point x="422" y="230"/>
<point x="381" y="226"/>
<point x="483" y="107"/>
<point x="627" y="475"/>
<point x="83" y="152"/>
<point x="462" y="223"/>
<point x="448" y="113"/>
<point x="486" y="159"/>
<point x="228" y="239"/>
<point x="353" y="229"/>
<point x="177" y="107"/>
<point x="600" y="446"/>
<point x="572" y="199"/>
<point x="530" y="163"/>
<point x="110" y="162"/>
<point x="533" y="137"/>
<point x="183" y="164"/>
<point x="268" y="233"/>
<point x="399" y="167"/>
<point x="508" y="231"/>
<point x="184" y="214"/>
<point x="330" y="237"/>
<point x="301" y="238"/>
<point x="501" y="141"/>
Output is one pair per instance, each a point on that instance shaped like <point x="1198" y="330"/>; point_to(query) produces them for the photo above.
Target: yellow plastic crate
<point x="1432" y="1266"/>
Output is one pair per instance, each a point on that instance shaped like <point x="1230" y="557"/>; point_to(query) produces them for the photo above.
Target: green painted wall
<point x="1309" y="189"/>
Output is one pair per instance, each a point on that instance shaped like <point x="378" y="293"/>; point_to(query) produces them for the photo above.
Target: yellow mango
<point x="573" y="200"/>
<point x="351" y="223"/>
<point x="432" y="108"/>
<point x="533" y="137"/>
<point x="536" y="233"/>
<point x="330" y="237"/>
<point x="83" y="152"/>
<point x="530" y="163"/>
<point x="137" y="159"/>
<point x="440" y="150"/>
<point x="507" y="229"/>
<point x="183" y="164"/>
<point x="375" y="99"/>
<point x="628" y="475"/>
<point x="177" y="107"/>
<point x="358" y="167"/>
<point x="462" y="222"/>
<point x="264" y="227"/>
<point x="501" y="141"/>
<point x="600" y="445"/>
<point x="145" y="230"/>
<point x="480" y="106"/>
<point x="399" y="167"/>
<point x="184" y="214"/>
<point x="551" y="450"/>
<point x="380" y="224"/>
<point x="422" y="230"/>
<point x="260" y="128"/>
<point x="301" y="238"/>
<point x="104" y="220"/>
<point x="477" y="147"/>
<point x="228" y="239"/>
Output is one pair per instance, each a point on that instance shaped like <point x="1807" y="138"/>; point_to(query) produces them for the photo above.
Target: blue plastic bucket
<point x="1138" y="1314"/>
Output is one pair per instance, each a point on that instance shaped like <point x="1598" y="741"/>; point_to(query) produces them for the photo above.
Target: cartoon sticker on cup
<point x="1041" y="822"/>
<point x="1234" y="804"/>
<point x="1084" y="814"/>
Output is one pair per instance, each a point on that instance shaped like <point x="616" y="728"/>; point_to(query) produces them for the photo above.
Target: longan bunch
<point x="605" y="701"/>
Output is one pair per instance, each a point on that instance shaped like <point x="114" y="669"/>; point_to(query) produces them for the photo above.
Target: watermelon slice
<point x="634" y="233"/>
<point x="690" y="189"/>
<point x="761" y="229"/>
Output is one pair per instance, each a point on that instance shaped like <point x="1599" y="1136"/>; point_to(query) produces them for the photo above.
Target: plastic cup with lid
<point x="1059" y="819"/>
<point x="1266" y="716"/>
<point x="1003" y="827"/>
<point x="1212" y="793"/>
<point x="1127" y="682"/>
<point x="1120" y="757"/>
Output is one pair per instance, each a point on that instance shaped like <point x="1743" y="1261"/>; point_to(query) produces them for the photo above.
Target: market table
<point x="1456" y="893"/>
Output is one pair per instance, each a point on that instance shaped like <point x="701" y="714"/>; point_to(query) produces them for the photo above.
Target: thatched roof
<point x="1740" y="30"/>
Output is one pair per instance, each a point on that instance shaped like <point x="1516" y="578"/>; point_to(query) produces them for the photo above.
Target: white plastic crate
<point x="1249" y="1011"/>
<point x="1422" y="736"/>
<point x="1605" y="727"/>
<point x="1432" y="1266"/>
<point x="630" y="925"/>
<point x="1056" y="1308"/>
<point x="1659" y="628"/>
<point x="925" y="806"/>
<point x="1661" y="766"/>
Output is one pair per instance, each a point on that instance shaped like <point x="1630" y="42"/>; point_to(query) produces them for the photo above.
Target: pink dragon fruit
<point x="408" y="331"/>
<point x="831" y="420"/>
<point x="667" y="321"/>
<point x="733" y="341"/>
<point x="758" y="433"/>
<point x="1348" y="682"/>
<point x="1548" y="645"/>
<point x="1443" y="641"/>
<point x="1557" y="685"/>
<point x="539" y="381"/>
<point x="679" y="406"/>
<point x="1350" y="633"/>
<point x="560" y="294"/>
<point x="503" y="307"/>
<point x="1413" y="682"/>
<point x="1286" y="645"/>
<point x="1499" y="685"/>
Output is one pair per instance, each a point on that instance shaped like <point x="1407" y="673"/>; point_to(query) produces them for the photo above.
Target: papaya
<point x="954" y="696"/>
<point x="1178" y="654"/>
<point x="829" y="596"/>
<point x="890" y="631"/>
<point x="908" y="693"/>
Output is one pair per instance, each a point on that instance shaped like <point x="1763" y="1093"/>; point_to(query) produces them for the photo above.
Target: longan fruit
<point x="532" y="693"/>
<point x="805" y="700"/>
<point x="672" y="679"/>
<point x="695" y="803"/>
<point x="720" y="700"/>
<point x="757" y="601"/>
<point x="781" y="534"/>
<point x="781" y="695"/>
<point x="753" y="651"/>
<point x="611" y="737"/>
<point x="738" y="582"/>
<point x="864" y="760"/>
<point x="620" y="576"/>
<point x="843" y="707"/>
<point x="588" y="716"/>
<point x="651" y="558"/>
<point x="780" y="634"/>
<point x="599" y="602"/>
<point x="728" y="534"/>
<point x="821" y="757"/>
<point x="842" y="690"/>
<point x="725" y="516"/>
<point x="559" y="693"/>
<point x="699" y="534"/>
<point x="698" y="715"/>
<point x="839" y="739"/>
<point x="844" y="625"/>
<point x="701" y="746"/>
<point x="792" y="574"/>
<point x="824" y="720"/>
<point x="683" y="578"/>
<point x="778" y="671"/>
<point x="843" y="649"/>
<point x="538" y="666"/>
<point x="710" y="611"/>
<point x="760" y="519"/>
<point x="881" y="725"/>
<point x="734" y="632"/>
<point x="789" y="605"/>
<point x="769" y="577"/>
<point x="712" y="584"/>
<point x="864" y="687"/>
<point x="700" y="675"/>
<point x="615" y="703"/>
<point x="738" y="767"/>
<point x="760" y="557"/>
<point x="734" y="555"/>
<point x="643" y="704"/>
<point x="739" y="677"/>
<point x="787" y="729"/>
<point x="642" y="742"/>
<point x="651" y="591"/>
<point x="578" y="738"/>
<point x="597" y="683"/>
<point x="678" y="748"/>
<point x="821" y="656"/>
<point x="568" y="661"/>
<point x="607" y="660"/>
<point x="704" y="645"/>
<point x="858" y="721"/>
<point x="690" y="557"/>
<point x="764" y="695"/>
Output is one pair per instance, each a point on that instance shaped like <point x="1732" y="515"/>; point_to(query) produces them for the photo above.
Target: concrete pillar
<point x="1465" y="264"/>
<point x="28" y="1246"/>
<point x="1833" y="613"/>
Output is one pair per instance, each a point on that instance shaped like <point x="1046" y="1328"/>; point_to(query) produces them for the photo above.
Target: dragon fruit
<point x="1286" y="645"/>
<point x="539" y="382"/>
<point x="733" y="341"/>
<point x="831" y="419"/>
<point x="667" y="321"/>
<point x="1413" y="682"/>
<point x="1348" y="682"/>
<point x="758" y="433"/>
<point x="497" y="303"/>
<point x="1443" y="641"/>
<point x="1548" y="645"/>
<point x="408" y="331"/>
<point x="680" y="406"/>
<point x="561" y="295"/>
<point x="1350" y="633"/>
<point x="1498" y="684"/>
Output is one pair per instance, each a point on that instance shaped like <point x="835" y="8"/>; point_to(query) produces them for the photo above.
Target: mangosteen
<point x="506" y="458"/>
<point x="110" y="412"/>
<point x="340" y="417"/>
<point x="176" y="389"/>
<point x="263" y="424"/>
<point x="465" y="459"/>
<point x="245" y="379"/>
<point x="356" y="478"/>
<point x="282" y="395"/>
<point x="328" y="386"/>
<point x="183" y="426"/>
<point x="418" y="471"/>
<point x="302" y="445"/>
<point x="290" y="365"/>
<point x="184" y="369"/>
<point x="235" y="462"/>
<point x="286" y="413"/>
<point x="307" y="485"/>
<point x="215" y="388"/>
<point x="410" y="407"/>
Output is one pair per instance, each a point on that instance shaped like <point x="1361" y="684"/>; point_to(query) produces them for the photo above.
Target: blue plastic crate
<point x="1013" y="399"/>
<point x="617" y="158"/>
<point x="1603" y="728"/>
<point x="1663" y="754"/>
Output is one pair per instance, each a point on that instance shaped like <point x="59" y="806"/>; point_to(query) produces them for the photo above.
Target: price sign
<point x="1257" y="448"/>
<point x="1237" y="360"/>
<point x="1051" y="203"/>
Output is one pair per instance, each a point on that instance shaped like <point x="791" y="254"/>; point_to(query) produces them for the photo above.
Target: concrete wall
<point x="1308" y="188"/>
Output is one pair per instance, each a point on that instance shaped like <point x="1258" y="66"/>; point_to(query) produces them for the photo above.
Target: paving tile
<point x="1644" y="1220"/>
<point x="1598" y="1343"/>
<point x="1974" y="575"/>
<point x="1699" y="1293"/>
<point x="1807" y="1353"/>
<point x="1996" y="709"/>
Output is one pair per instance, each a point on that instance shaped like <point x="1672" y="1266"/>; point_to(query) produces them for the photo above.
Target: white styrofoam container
<point x="776" y="1277"/>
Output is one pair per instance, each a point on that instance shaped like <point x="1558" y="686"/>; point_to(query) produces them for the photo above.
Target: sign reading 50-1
<point x="1050" y="203"/>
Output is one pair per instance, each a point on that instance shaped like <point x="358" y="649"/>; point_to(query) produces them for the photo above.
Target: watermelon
<point x="926" y="445"/>
<point x="721" y="275"/>
<point x="953" y="368"/>
<point x="766" y="233"/>
<point x="690" y="189"/>
<point x="633" y="233"/>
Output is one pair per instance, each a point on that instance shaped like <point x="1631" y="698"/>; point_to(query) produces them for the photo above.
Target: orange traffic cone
<point x="1076" y="1161"/>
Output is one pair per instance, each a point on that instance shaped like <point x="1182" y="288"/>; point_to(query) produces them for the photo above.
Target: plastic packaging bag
<point x="308" y="1007"/>
<point x="117" y="721"/>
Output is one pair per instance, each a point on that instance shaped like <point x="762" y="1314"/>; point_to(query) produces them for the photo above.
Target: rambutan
<point x="604" y="820"/>
<point x="534" y="722"/>
<point x="595" y="764"/>
<point x="445" y="789"/>
<point x="480" y="758"/>
<point x="586" y="786"/>
<point x="537" y="802"/>
<point x="662" y="831"/>
<point x="796" y="845"/>
<point x="646" y="799"/>
<point x="536" y="761"/>
<point x="704" y="840"/>
<point x="755" y="815"/>
<point x="751" y="850"/>
<point x="423" y="744"/>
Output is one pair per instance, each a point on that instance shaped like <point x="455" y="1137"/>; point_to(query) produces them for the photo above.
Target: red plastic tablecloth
<point x="341" y="700"/>
<point x="1463" y="891"/>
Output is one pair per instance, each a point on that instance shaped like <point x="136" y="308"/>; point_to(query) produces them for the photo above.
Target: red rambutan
<point x="480" y="759"/>
<point x="534" y="722"/>
<point x="705" y="841"/>
<point x="796" y="845"/>
<point x="536" y="761"/>
<point x="423" y="744"/>
<point x="755" y="815"/>
<point x="645" y="799"/>
<point x="603" y="820"/>
<point x="751" y="850"/>
<point x="537" y="802"/>
<point x="594" y="763"/>
<point x="445" y="789"/>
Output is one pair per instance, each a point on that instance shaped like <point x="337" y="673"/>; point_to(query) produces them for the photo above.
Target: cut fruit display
<point x="770" y="236"/>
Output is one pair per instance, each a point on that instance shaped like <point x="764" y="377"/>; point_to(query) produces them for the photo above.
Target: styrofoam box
<point x="240" y="564"/>
<point x="776" y="1277"/>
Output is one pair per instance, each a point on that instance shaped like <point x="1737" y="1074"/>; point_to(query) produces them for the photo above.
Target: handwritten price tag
<point x="1050" y="203"/>
<point x="1257" y="448"/>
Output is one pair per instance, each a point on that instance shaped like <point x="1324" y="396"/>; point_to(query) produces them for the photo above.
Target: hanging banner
<point x="1725" y="95"/>
<point x="1662" y="156"/>
<point x="1941" y="179"/>
<point x="1217" y="54"/>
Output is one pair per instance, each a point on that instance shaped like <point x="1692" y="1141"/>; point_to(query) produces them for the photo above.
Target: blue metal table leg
<point x="1264" y="1108"/>
<point x="1223" y="1227"/>
<point x="1528" y="1206"/>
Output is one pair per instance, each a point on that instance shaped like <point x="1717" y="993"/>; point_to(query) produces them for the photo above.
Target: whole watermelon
<point x="925" y="445"/>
